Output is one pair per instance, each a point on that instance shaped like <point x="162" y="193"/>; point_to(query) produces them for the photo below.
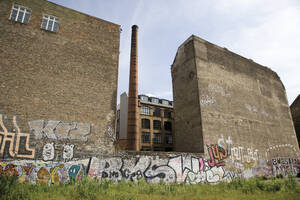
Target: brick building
<point x="222" y="97"/>
<point x="58" y="80"/>
<point x="295" y="110"/>
<point x="155" y="124"/>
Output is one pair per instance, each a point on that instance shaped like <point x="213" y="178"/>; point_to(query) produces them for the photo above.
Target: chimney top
<point x="134" y="27"/>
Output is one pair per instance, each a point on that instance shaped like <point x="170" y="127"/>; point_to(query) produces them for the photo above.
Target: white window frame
<point x="145" y="110"/>
<point x="26" y="10"/>
<point x="144" y="98"/>
<point x="165" y="102"/>
<point x="155" y="100"/>
<point x="47" y="17"/>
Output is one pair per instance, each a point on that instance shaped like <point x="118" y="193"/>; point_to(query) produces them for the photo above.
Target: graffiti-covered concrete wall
<point x="221" y="96"/>
<point x="58" y="89"/>
<point x="223" y="163"/>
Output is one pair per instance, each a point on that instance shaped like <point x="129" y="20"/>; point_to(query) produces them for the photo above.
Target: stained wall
<point x="219" y="95"/>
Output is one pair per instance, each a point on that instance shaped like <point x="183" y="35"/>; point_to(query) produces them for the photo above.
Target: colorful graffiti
<point x="15" y="144"/>
<point x="224" y="162"/>
<point x="286" y="166"/>
<point x="49" y="173"/>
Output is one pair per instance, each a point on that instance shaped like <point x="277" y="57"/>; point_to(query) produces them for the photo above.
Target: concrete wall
<point x="190" y="168"/>
<point x="58" y="90"/>
<point x="221" y="96"/>
<point x="295" y="110"/>
<point x="222" y="162"/>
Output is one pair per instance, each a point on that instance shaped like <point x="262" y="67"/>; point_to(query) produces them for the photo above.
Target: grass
<point x="255" y="188"/>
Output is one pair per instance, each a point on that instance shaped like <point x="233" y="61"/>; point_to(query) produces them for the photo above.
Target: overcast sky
<point x="266" y="31"/>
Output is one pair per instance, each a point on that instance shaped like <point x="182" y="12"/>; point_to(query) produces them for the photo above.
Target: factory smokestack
<point x="132" y="134"/>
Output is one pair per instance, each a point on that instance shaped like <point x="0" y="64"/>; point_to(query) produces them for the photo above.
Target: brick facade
<point x="64" y="82"/>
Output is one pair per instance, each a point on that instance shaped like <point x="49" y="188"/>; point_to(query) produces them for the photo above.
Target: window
<point x="144" y="98"/>
<point x="146" y="123"/>
<point x="165" y="102"/>
<point x="145" y="110"/>
<point x="145" y="148"/>
<point x="168" y="126"/>
<point x="154" y="100"/>
<point x="157" y="138"/>
<point x="50" y="23"/>
<point x="156" y="112"/>
<point x="20" y="14"/>
<point x="156" y="124"/>
<point x="169" y="139"/>
<point x="167" y="114"/>
<point x="145" y="137"/>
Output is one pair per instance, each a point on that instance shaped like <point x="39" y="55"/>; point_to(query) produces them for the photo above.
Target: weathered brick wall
<point x="240" y="103"/>
<point x="61" y="86"/>
<point x="295" y="110"/>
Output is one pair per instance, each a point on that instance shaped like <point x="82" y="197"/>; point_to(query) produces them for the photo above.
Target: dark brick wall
<point x="68" y="76"/>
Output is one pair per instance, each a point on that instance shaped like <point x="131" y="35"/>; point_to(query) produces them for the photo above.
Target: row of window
<point x="157" y="138"/>
<point x="155" y="100"/>
<point x="145" y="110"/>
<point x="22" y="14"/>
<point x="156" y="125"/>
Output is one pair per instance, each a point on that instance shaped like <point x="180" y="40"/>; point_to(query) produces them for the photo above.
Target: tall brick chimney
<point x="132" y="134"/>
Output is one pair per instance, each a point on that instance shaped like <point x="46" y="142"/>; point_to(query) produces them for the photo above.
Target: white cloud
<point x="266" y="31"/>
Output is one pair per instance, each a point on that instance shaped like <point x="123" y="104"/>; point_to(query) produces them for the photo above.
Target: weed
<point x="256" y="188"/>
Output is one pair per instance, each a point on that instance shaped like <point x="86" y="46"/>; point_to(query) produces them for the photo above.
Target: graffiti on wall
<point x="58" y="130"/>
<point x="15" y="144"/>
<point x="49" y="151"/>
<point x="68" y="152"/>
<point x="38" y="172"/>
<point x="206" y="100"/>
<point x="280" y="147"/>
<point x="286" y="166"/>
<point x="176" y="169"/>
<point x="224" y="162"/>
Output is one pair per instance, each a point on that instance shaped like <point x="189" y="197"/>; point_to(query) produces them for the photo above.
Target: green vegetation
<point x="256" y="188"/>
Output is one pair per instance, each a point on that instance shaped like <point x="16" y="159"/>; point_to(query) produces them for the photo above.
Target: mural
<point x="223" y="161"/>
<point x="41" y="172"/>
<point x="153" y="169"/>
